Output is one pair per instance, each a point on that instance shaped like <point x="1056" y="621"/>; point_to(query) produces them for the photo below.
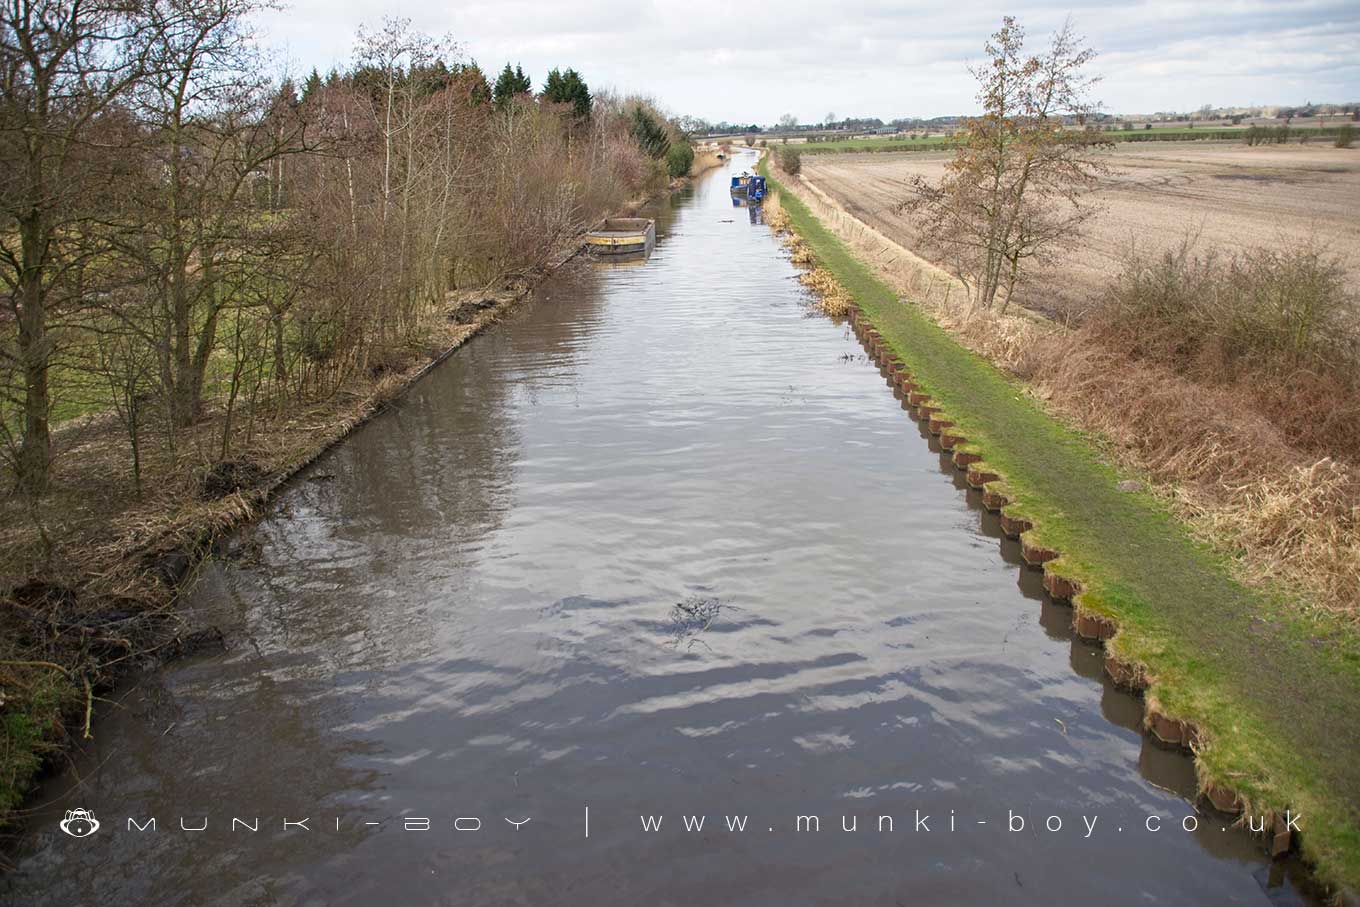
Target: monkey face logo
<point x="79" y="823"/>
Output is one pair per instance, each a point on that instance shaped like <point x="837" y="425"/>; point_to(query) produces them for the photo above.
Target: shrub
<point x="1271" y="309"/>
<point x="790" y="161"/>
<point x="679" y="159"/>
<point x="1278" y="321"/>
<point x="1345" y="136"/>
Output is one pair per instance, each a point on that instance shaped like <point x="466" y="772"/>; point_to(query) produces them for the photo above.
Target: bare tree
<point x="1015" y="188"/>
<point x="407" y="66"/>
<point x="449" y="171"/>
<point x="62" y="64"/>
<point x="127" y="365"/>
<point x="209" y="142"/>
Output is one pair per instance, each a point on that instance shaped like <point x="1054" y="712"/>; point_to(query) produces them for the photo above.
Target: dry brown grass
<point x="1285" y="517"/>
<point x="705" y="159"/>
<point x="799" y="253"/>
<point x="776" y="218"/>
<point x="831" y="298"/>
<point x="1277" y="325"/>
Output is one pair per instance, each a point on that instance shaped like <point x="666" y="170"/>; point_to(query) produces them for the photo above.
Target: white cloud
<point x="758" y="59"/>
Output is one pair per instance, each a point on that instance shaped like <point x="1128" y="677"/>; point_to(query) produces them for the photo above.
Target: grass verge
<point x="1274" y="695"/>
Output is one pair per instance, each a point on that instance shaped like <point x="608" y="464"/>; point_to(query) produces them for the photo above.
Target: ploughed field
<point x="1232" y="196"/>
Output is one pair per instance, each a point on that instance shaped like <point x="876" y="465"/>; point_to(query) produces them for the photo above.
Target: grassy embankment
<point x="888" y="144"/>
<point x="1273" y="696"/>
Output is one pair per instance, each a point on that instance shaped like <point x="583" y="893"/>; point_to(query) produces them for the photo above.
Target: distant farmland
<point x="1232" y="196"/>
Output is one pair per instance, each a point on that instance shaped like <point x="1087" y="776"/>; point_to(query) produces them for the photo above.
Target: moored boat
<point x="750" y="186"/>
<point x="622" y="236"/>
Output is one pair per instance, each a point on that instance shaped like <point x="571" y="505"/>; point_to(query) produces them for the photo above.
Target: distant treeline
<point x="1252" y="135"/>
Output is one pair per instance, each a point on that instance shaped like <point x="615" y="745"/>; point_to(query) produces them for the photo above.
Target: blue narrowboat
<point x="749" y="186"/>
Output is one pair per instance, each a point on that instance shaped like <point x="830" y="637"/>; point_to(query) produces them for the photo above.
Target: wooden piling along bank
<point x="1086" y="624"/>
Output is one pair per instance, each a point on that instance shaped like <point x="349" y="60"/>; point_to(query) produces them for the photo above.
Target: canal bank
<point x="118" y="614"/>
<point x="658" y="543"/>
<point x="112" y="609"/>
<point x="1267" y="699"/>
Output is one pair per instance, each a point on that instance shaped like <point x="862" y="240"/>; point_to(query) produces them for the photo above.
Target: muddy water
<point x="660" y="545"/>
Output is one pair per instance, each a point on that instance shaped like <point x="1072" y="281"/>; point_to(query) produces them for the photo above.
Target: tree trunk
<point x="181" y="402"/>
<point x="35" y="237"/>
<point x="35" y="452"/>
<point x="195" y="375"/>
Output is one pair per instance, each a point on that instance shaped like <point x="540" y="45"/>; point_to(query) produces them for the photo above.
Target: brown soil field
<point x="1232" y="196"/>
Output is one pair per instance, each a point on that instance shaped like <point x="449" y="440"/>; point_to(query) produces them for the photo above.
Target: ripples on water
<point x="662" y="543"/>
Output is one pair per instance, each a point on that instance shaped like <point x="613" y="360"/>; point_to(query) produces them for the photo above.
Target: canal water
<point x="662" y="545"/>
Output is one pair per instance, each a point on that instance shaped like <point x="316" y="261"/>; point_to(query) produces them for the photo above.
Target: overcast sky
<point x="753" y="61"/>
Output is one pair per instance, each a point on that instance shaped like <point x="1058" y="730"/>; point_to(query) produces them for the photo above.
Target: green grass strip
<point x="1276" y="692"/>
